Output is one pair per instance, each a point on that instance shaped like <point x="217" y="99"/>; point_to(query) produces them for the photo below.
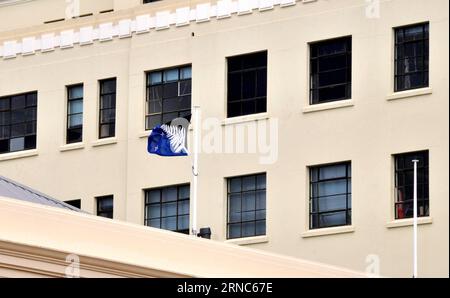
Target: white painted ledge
<point x="248" y="240"/>
<point x="20" y="154"/>
<point x="410" y="93"/>
<point x="246" y="118"/>
<point x="144" y="134"/>
<point x="104" y="142"/>
<point x="328" y="231"/>
<point x="70" y="147"/>
<point x="408" y="222"/>
<point x="329" y="106"/>
<point x="124" y="28"/>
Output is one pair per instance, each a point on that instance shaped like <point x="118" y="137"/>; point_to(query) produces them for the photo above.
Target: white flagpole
<point x="415" y="161"/>
<point x="196" y="114"/>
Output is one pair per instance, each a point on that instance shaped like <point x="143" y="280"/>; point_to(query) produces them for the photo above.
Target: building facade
<point x="311" y="115"/>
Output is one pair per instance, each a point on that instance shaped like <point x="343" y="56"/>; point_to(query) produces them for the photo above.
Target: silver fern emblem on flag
<point x="177" y="138"/>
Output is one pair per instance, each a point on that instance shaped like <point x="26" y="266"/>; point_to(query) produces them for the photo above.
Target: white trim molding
<point x="183" y="16"/>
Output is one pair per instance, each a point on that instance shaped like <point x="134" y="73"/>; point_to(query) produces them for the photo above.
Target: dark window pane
<point x="18" y="116"/>
<point x="185" y="88"/>
<point x="31" y="99"/>
<point x="172" y="212"/>
<point x="4" y="104"/>
<point x="246" y="206"/>
<point x="330" y="195"/>
<point x="4" y="146"/>
<point x="168" y="93"/>
<point x="411" y="52"/>
<point x="108" y="86"/>
<point x="247" y="84"/>
<point x="18" y="102"/>
<point x="108" y="101"/>
<point x="330" y="68"/>
<point x="404" y="184"/>
<point x="75" y="92"/>
<point x="74" y="135"/>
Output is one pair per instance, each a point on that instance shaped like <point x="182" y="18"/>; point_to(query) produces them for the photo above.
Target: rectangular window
<point x="411" y="57"/>
<point x="107" y="124"/>
<point x="74" y="114"/>
<point x="331" y="70"/>
<point x="404" y="184"/>
<point x="330" y="201"/>
<point x="18" y="117"/>
<point x="168" y="95"/>
<point x="246" y="206"/>
<point x="105" y="206"/>
<point x="247" y="84"/>
<point x="168" y="208"/>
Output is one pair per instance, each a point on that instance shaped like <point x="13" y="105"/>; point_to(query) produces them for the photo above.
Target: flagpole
<point x="415" y="161"/>
<point x="196" y="132"/>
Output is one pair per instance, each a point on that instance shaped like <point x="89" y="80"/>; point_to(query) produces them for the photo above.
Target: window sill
<point x="249" y="240"/>
<point x="16" y="155"/>
<point x="328" y="231"/>
<point x="408" y="222"/>
<point x="329" y="106"/>
<point x="144" y="134"/>
<point x="70" y="147"/>
<point x="246" y="118"/>
<point x="410" y="93"/>
<point x="104" y="142"/>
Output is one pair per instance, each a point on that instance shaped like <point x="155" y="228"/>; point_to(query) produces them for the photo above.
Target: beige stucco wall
<point x="368" y="132"/>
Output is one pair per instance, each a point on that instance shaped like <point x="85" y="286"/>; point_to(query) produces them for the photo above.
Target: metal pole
<point x="415" y="161"/>
<point x="196" y="133"/>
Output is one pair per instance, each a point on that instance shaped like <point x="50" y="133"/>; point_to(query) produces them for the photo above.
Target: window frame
<point x="395" y="58"/>
<point x="228" y="194"/>
<point x="107" y="211"/>
<point x="68" y="115"/>
<point x="395" y="201"/>
<point x="147" y="217"/>
<point x="242" y="71"/>
<point x="100" y="109"/>
<point x="25" y="122"/>
<point x="348" y="83"/>
<point x="348" y="210"/>
<point x="148" y="85"/>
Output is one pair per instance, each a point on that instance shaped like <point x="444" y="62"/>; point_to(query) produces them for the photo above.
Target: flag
<point x="168" y="139"/>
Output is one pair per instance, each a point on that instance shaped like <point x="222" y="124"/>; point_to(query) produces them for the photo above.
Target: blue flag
<point x="167" y="140"/>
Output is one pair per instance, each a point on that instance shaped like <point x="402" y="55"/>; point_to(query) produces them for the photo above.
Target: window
<point x="168" y="95"/>
<point x="107" y="125"/>
<point x="74" y="203"/>
<point x="330" y="201"/>
<point x="247" y="84"/>
<point x="168" y="208"/>
<point x="331" y="70"/>
<point x="74" y="114"/>
<point x="105" y="206"/>
<point x="411" y="57"/>
<point x="246" y="206"/>
<point x="18" y="115"/>
<point x="404" y="184"/>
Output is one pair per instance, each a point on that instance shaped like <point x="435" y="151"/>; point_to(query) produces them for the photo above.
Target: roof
<point x="15" y="190"/>
<point x="52" y="234"/>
